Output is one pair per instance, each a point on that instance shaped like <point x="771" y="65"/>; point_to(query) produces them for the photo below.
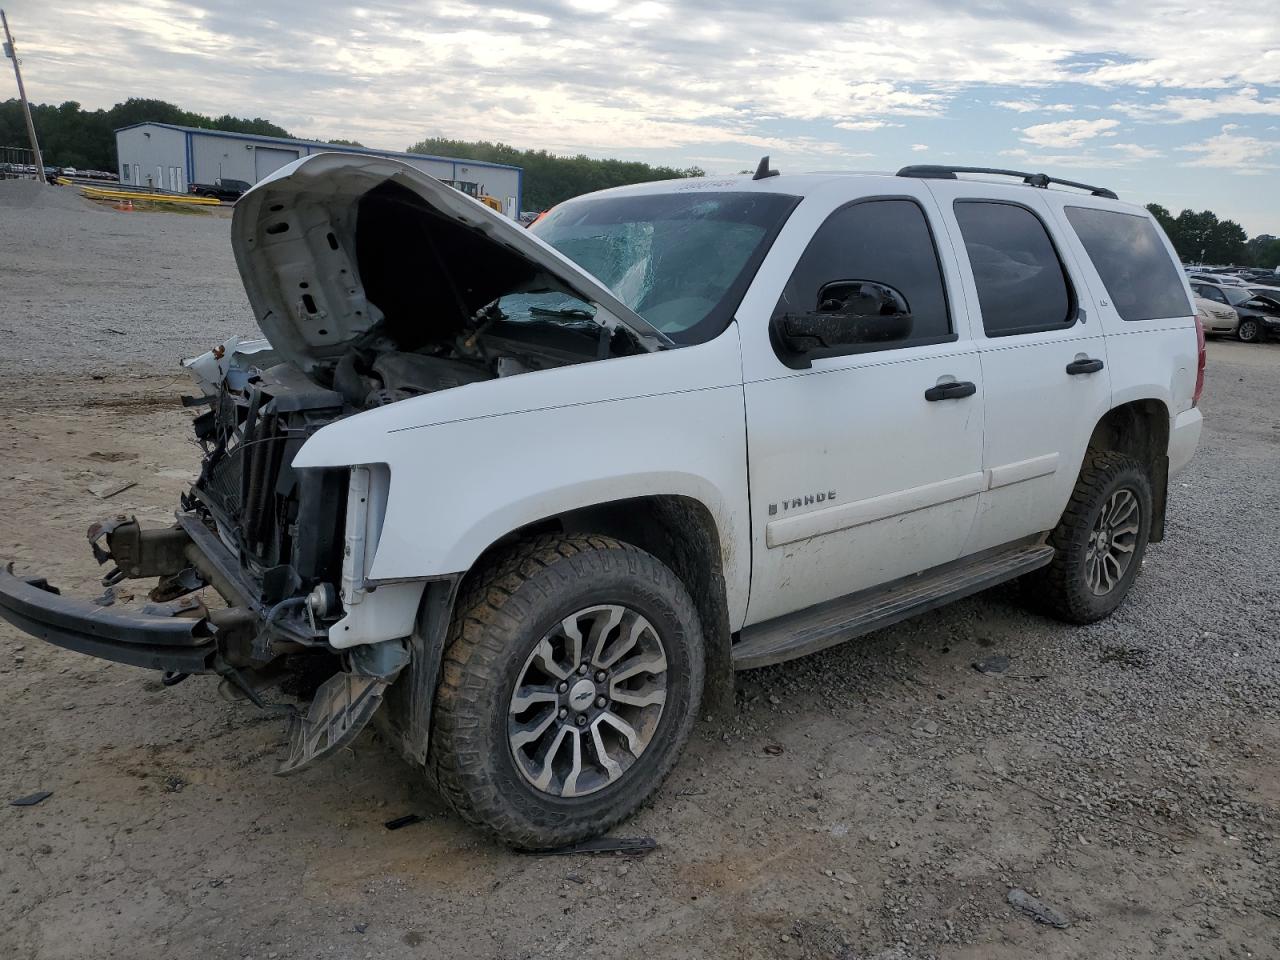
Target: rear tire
<point x="1247" y="331"/>
<point x="519" y="746"/>
<point x="1100" y="541"/>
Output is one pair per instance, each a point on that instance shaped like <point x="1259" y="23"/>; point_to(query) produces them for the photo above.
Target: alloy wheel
<point x="1112" y="541"/>
<point x="587" y="701"/>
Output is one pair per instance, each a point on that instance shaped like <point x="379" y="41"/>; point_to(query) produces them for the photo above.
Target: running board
<point x="818" y="627"/>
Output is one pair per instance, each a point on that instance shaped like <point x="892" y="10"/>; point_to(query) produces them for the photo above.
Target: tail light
<point x="1200" y="349"/>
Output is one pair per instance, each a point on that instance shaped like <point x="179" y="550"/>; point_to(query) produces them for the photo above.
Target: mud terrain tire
<point x="1063" y="588"/>
<point x="499" y="623"/>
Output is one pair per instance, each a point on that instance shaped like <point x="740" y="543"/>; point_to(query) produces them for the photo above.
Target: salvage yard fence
<point x="18" y="163"/>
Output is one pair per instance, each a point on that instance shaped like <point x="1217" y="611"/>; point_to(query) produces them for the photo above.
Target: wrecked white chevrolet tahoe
<point x="530" y="497"/>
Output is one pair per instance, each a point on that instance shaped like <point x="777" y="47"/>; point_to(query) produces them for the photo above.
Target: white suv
<point x="544" y="491"/>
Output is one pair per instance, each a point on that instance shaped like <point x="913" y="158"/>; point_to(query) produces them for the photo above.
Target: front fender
<point x="464" y="471"/>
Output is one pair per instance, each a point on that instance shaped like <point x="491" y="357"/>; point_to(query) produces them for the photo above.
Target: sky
<point x="1167" y="102"/>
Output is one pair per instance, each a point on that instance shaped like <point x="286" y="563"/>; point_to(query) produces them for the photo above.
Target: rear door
<point x="1043" y="356"/>
<point x="860" y="471"/>
<point x="1142" y="300"/>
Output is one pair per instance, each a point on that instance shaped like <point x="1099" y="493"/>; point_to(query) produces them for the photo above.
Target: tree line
<point x="71" y="136"/>
<point x="1203" y="238"/>
<point x="550" y="178"/>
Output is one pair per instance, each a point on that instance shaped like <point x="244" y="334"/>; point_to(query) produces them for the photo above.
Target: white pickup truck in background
<point x="531" y="497"/>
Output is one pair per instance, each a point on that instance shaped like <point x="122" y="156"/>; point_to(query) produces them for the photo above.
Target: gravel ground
<point x="106" y="289"/>
<point x="879" y="800"/>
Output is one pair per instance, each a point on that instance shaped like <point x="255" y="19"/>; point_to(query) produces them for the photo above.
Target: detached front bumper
<point x="240" y="643"/>
<point x="157" y="640"/>
<point x="181" y="635"/>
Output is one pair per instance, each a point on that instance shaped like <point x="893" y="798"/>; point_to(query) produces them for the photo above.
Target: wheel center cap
<point x="581" y="694"/>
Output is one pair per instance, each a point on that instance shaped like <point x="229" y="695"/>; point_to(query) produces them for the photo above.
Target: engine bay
<point x="377" y="372"/>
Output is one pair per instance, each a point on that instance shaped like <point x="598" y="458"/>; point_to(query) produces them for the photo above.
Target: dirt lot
<point x="875" y="801"/>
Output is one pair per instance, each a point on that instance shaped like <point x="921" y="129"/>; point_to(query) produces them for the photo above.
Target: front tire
<point x="519" y="745"/>
<point x="1099" y="542"/>
<point x="1248" y="331"/>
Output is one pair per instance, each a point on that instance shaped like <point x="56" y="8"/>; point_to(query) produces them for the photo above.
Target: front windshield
<point x="1236" y="295"/>
<point x="680" y="260"/>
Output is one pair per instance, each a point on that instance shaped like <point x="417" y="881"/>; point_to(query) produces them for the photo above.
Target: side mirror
<point x="849" y="314"/>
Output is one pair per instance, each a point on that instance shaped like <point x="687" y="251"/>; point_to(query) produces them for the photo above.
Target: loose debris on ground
<point x="1037" y="909"/>
<point x="31" y="799"/>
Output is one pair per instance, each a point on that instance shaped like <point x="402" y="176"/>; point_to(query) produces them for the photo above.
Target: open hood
<point x="337" y="249"/>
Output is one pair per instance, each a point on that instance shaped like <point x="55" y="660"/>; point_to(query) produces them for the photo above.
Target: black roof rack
<point x="1041" y="180"/>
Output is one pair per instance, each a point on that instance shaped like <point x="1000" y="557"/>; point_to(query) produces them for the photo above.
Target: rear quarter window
<point x="1141" y="278"/>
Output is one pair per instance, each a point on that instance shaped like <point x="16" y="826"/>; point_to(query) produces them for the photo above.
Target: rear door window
<point x="1022" y="286"/>
<point x="1141" y="278"/>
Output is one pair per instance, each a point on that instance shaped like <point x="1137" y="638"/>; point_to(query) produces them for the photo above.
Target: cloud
<point x="1134" y="151"/>
<point x="919" y="147"/>
<point x="865" y="124"/>
<point x="1232" y="151"/>
<point x="1106" y="156"/>
<point x="1182" y="109"/>
<point x="1068" y="133"/>
<point x="1033" y="106"/>
<point x="395" y="70"/>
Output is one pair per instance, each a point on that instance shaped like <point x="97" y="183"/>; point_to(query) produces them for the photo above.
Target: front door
<point x="864" y="467"/>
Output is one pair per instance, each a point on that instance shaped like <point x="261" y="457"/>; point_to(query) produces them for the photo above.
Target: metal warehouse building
<point x="168" y="157"/>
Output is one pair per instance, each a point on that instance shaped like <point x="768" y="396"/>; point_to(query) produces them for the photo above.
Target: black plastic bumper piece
<point x="139" y="639"/>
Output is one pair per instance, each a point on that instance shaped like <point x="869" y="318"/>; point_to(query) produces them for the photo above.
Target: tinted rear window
<point x="1141" y="278"/>
<point x="1022" y="287"/>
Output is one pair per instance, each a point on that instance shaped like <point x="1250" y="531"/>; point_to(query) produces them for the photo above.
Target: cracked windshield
<point x="678" y="260"/>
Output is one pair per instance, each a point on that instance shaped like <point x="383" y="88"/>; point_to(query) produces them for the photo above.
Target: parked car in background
<point x="1222" y="278"/>
<point x="1250" y="309"/>
<point x="1218" y="319"/>
<point x="222" y="189"/>
<point x="1264" y="310"/>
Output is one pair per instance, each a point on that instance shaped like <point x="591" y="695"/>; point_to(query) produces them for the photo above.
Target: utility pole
<point x="12" y="54"/>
